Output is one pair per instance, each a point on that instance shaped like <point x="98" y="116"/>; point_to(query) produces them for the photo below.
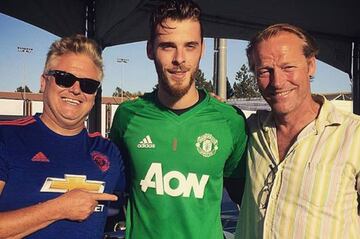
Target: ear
<point x="312" y="65"/>
<point x="42" y="84"/>
<point x="150" y="50"/>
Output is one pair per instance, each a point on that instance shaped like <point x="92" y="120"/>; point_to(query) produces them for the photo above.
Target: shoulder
<point x="135" y="105"/>
<point x="103" y="144"/>
<point x="233" y="117"/>
<point x="229" y="112"/>
<point x="333" y="115"/>
<point x="132" y="108"/>
<point x="347" y="119"/>
<point x="18" y="124"/>
<point x="97" y="136"/>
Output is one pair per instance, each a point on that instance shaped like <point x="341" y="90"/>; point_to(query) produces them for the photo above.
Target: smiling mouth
<point x="282" y="93"/>
<point x="177" y="75"/>
<point x="177" y="71"/>
<point x="71" y="101"/>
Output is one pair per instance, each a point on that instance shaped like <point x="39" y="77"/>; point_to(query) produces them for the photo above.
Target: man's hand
<point x="77" y="205"/>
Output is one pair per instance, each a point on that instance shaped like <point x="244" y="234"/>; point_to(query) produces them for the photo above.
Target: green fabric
<point x="177" y="165"/>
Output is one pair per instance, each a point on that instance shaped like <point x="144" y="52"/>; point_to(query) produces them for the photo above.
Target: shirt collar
<point x="328" y="116"/>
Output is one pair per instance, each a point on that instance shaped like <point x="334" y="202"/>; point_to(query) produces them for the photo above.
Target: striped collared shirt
<point x="314" y="191"/>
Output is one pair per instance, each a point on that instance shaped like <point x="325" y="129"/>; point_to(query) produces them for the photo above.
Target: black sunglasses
<point x="66" y="80"/>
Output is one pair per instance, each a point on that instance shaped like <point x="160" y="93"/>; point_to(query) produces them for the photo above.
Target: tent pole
<point x="94" y="122"/>
<point x="356" y="77"/>
<point x="221" y="67"/>
<point x="215" y="67"/>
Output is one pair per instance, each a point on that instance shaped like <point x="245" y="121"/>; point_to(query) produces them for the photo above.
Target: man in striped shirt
<point x="303" y="156"/>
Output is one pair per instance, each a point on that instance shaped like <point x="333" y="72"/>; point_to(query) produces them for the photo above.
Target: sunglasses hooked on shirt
<point x="66" y="80"/>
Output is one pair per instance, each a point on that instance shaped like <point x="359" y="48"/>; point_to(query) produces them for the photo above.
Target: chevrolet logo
<point x="70" y="182"/>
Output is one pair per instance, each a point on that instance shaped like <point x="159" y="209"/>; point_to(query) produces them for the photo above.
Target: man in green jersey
<point x="179" y="143"/>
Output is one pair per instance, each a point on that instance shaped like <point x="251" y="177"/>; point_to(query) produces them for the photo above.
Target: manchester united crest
<point x="206" y="145"/>
<point x="101" y="160"/>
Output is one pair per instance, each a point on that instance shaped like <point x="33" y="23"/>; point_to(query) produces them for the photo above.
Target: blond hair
<point x="310" y="47"/>
<point x="78" y="44"/>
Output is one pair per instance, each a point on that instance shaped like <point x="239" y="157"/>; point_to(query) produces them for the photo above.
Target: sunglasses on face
<point x="67" y="80"/>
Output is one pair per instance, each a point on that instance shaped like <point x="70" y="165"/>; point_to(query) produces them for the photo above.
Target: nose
<point x="179" y="57"/>
<point x="75" y="88"/>
<point x="277" y="78"/>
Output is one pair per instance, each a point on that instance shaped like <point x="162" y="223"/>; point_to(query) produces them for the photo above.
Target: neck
<point x="173" y="102"/>
<point x="288" y="126"/>
<point x="63" y="130"/>
<point x="297" y="120"/>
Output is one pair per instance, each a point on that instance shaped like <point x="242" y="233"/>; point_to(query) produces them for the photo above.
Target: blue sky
<point x="17" y="68"/>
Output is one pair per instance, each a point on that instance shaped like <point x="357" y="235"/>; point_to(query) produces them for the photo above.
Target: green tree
<point x="245" y="85"/>
<point x="202" y="83"/>
<point x="21" y="89"/>
<point x="229" y="90"/>
<point x="138" y="93"/>
<point x="118" y="92"/>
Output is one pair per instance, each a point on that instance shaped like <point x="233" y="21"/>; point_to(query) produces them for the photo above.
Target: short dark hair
<point x="175" y="10"/>
<point x="310" y="47"/>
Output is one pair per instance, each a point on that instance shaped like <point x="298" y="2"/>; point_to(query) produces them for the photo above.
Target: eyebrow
<point x="263" y="67"/>
<point x="166" y="43"/>
<point x="193" y="43"/>
<point x="172" y="44"/>
<point x="282" y="64"/>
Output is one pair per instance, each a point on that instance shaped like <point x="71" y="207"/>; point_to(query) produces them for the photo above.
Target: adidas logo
<point x="40" y="157"/>
<point x="146" y="143"/>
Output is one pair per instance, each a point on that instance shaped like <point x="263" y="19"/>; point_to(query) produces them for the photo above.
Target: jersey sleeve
<point x="235" y="164"/>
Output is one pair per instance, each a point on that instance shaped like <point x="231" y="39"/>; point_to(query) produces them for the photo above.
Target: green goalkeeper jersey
<point x="177" y="164"/>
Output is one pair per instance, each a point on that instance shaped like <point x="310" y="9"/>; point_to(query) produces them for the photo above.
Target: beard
<point x="176" y="90"/>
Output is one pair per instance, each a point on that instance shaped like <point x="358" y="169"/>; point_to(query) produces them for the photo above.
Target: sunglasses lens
<point x="89" y="86"/>
<point x="67" y="80"/>
<point x="64" y="80"/>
